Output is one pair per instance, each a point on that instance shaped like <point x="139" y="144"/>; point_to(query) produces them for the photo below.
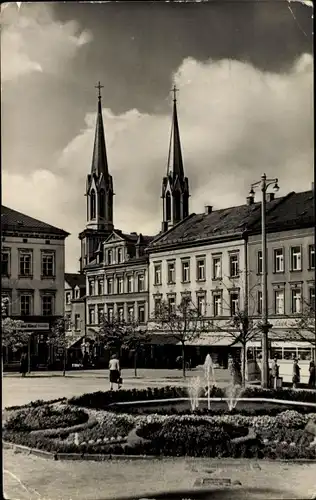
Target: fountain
<point x="233" y="393"/>
<point x="194" y="390"/>
<point x="209" y="375"/>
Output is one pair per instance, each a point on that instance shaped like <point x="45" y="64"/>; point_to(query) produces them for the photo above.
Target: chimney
<point x="208" y="209"/>
<point x="250" y="200"/>
<point x="270" y="196"/>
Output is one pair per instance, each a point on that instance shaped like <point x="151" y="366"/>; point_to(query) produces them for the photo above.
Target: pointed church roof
<point x="175" y="163"/>
<point x="99" y="159"/>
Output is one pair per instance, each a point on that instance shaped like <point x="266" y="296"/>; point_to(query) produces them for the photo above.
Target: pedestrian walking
<point x="296" y="374"/>
<point x="115" y="372"/>
<point x="275" y="372"/>
<point x="311" y="381"/>
<point x="23" y="364"/>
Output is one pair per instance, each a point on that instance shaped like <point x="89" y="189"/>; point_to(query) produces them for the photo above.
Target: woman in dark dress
<point x="23" y="364"/>
<point x="311" y="381"/>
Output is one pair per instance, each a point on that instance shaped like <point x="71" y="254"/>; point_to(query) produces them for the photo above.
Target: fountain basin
<point x="218" y="405"/>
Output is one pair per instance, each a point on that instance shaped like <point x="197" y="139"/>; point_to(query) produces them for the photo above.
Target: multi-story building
<point x="32" y="276"/>
<point x="75" y="313"/>
<point x="290" y="278"/>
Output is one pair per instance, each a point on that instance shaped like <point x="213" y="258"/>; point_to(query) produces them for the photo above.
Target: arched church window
<point x="168" y="207"/>
<point x="185" y="205"/>
<point x="110" y="207"/>
<point x="102" y="203"/>
<point x="92" y="204"/>
<point x="177" y="206"/>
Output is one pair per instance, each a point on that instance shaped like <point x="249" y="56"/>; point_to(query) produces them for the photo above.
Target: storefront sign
<point x="35" y="326"/>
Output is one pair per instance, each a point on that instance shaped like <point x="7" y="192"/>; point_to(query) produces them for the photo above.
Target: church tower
<point x="99" y="195"/>
<point x="175" y="186"/>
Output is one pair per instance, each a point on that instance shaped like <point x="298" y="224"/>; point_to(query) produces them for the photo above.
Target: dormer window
<point x="68" y="297"/>
<point x="77" y="293"/>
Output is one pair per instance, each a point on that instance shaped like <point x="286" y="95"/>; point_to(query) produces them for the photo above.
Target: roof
<point x="99" y="159"/>
<point x="135" y="237"/>
<point x="75" y="279"/>
<point x="224" y="222"/>
<point x="297" y="210"/>
<point x="12" y="220"/>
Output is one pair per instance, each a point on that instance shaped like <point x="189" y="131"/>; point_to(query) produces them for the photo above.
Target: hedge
<point x="102" y="399"/>
<point x="45" y="417"/>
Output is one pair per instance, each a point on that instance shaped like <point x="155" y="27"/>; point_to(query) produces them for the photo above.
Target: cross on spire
<point x="174" y="90"/>
<point x="99" y="87"/>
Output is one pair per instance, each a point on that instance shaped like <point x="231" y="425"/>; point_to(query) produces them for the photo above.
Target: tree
<point x="115" y="334"/>
<point x="184" y="322"/>
<point x="59" y="340"/>
<point x="12" y="333"/>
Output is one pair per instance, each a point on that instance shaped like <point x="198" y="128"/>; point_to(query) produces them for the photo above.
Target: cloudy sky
<point x="245" y="74"/>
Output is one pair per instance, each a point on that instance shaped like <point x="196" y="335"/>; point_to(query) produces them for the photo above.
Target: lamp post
<point x="264" y="183"/>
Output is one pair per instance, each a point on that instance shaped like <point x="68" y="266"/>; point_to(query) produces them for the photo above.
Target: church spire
<point x="99" y="189"/>
<point x="99" y="159"/>
<point x="175" y="163"/>
<point x="175" y="186"/>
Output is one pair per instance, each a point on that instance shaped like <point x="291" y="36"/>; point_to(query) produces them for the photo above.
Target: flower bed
<point x="45" y="417"/>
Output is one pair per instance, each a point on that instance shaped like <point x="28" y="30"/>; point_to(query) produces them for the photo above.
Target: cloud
<point x="33" y="41"/>
<point x="235" y="123"/>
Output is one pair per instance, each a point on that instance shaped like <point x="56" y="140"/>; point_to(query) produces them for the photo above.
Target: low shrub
<point x="45" y="417"/>
<point x="36" y="403"/>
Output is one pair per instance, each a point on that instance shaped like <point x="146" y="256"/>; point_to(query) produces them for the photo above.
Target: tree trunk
<point x="183" y="359"/>
<point x="29" y="355"/>
<point x="65" y="361"/>
<point x="135" y="363"/>
<point x="243" y="368"/>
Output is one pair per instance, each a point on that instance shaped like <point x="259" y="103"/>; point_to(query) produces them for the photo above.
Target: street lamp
<point x="264" y="183"/>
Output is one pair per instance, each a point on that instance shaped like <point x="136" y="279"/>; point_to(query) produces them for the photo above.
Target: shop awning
<point x="214" y="341"/>
<point x="162" y="339"/>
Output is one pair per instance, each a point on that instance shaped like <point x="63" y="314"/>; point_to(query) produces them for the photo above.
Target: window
<point x="157" y="274"/>
<point x="311" y="256"/>
<point x="100" y="286"/>
<point x="110" y="286"/>
<point x="259" y="302"/>
<point x="234" y="299"/>
<point x="68" y="322"/>
<point x="279" y="301"/>
<point x="129" y="284"/>
<point x="120" y="313"/>
<point x="172" y="305"/>
<point x="201" y="305"/>
<point x="91" y="287"/>
<point x="92" y="204"/>
<point x="110" y="257"/>
<point x="217" y="304"/>
<point x="47" y="305"/>
<point x="296" y="262"/>
<point x="141" y="314"/>
<point x="68" y="297"/>
<point x="185" y="271"/>
<point x="168" y="207"/>
<point x="5" y="263"/>
<point x="130" y="313"/>
<point x="234" y="265"/>
<point x="48" y="264"/>
<point x="100" y="313"/>
<point x="91" y="316"/>
<point x="171" y="272"/>
<point x="141" y="282"/>
<point x="259" y="262"/>
<point x="120" y="285"/>
<point x="25" y="261"/>
<point x="77" y="321"/>
<point x="157" y="305"/>
<point x="110" y="311"/>
<point x="25" y="304"/>
<point x="200" y="269"/>
<point x="312" y="297"/>
<point x="278" y="260"/>
<point x="217" y="268"/>
<point x="296" y="300"/>
<point x="119" y="255"/>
